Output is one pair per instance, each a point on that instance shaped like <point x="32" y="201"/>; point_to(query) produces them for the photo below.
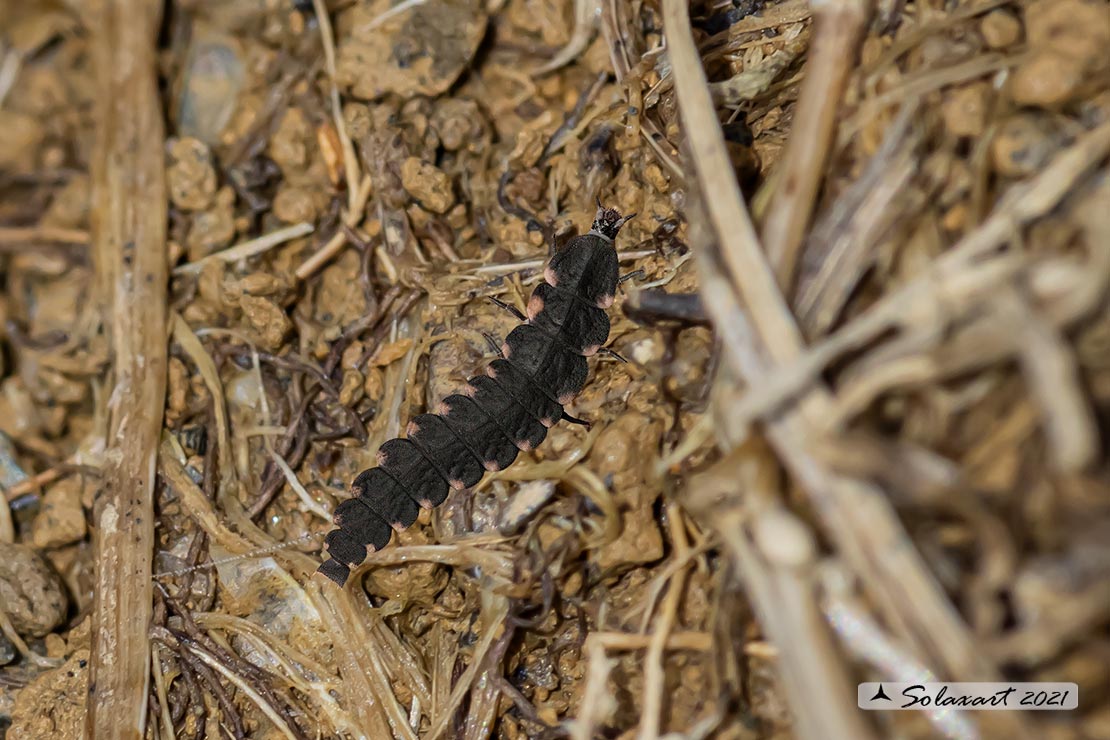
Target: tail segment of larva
<point x="509" y="409"/>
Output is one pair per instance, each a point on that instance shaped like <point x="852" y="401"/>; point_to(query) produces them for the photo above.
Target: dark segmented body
<point x="509" y="409"/>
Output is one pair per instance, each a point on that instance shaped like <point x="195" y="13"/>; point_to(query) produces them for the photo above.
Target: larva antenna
<point x="236" y="558"/>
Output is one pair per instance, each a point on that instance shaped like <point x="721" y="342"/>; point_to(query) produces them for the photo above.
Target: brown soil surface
<point x="872" y="450"/>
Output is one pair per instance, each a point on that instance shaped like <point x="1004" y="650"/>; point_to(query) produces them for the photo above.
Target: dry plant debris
<point x="860" y="435"/>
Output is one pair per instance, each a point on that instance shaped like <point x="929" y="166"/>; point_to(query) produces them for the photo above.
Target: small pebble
<point x="784" y="539"/>
<point x="21" y="142"/>
<point x="457" y="122"/>
<point x="190" y="175"/>
<point x="53" y="704"/>
<point x="293" y="205"/>
<point x="213" y="228"/>
<point x="10" y="471"/>
<point x="7" y="651"/>
<point x="289" y="146"/>
<point x="267" y="319"/>
<point x="1000" y="29"/>
<point x="31" y="592"/>
<point x="965" y="110"/>
<point x="177" y="387"/>
<point x="210" y="82"/>
<point x="350" y="389"/>
<point x="61" y="520"/>
<point x="428" y="184"/>
<point x="1023" y="144"/>
<point x="615" y="450"/>
<point x="524" y="503"/>
<point x="1068" y="41"/>
<point x="1047" y="79"/>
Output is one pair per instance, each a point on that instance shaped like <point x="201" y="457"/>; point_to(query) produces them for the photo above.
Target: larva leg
<point x="634" y="274"/>
<point x="494" y="344"/>
<point x="612" y="353"/>
<point x="579" y="422"/>
<point x="511" y="309"/>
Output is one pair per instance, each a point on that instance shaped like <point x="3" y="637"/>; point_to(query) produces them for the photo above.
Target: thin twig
<point x="586" y="15"/>
<point x="8" y="631"/>
<point x="339" y="239"/>
<point x="37" y="481"/>
<point x="299" y="488"/>
<point x="350" y="160"/>
<point x="248" y="249"/>
<point x="42" y="233"/>
<point x="654" y="671"/>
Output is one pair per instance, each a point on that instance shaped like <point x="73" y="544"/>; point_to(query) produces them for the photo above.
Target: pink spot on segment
<point x="591" y="350"/>
<point x="456" y="484"/>
<point x="548" y="422"/>
<point x="605" y="301"/>
<point x="566" y="398"/>
<point x="491" y="466"/>
<point x="505" y="349"/>
<point x="550" y="276"/>
<point x="469" y="390"/>
<point x="535" y="306"/>
<point x="523" y="445"/>
<point x="413" y="428"/>
<point x="442" y="408"/>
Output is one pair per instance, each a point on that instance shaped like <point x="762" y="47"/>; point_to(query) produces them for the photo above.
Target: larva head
<point x="608" y="222"/>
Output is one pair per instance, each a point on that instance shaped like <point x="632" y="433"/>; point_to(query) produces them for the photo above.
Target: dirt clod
<point x="53" y="705"/>
<point x="428" y="184"/>
<point x="189" y="174"/>
<point x="1000" y="29"/>
<point x="1067" y="39"/>
<point x="61" y="520"/>
<point x="30" y="591"/>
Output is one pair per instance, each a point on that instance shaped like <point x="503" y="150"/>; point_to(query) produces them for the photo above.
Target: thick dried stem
<point x="129" y="228"/>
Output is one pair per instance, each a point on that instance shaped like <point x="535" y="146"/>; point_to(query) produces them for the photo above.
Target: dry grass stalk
<point x="867" y="641"/>
<point x="778" y="582"/>
<point x="613" y="20"/>
<point x="129" y="207"/>
<point x="586" y="14"/>
<point x="860" y="520"/>
<point x="838" y="26"/>
<point x="1052" y="376"/>
<point x="840" y="247"/>
<point x="250" y="248"/>
<point x="597" y="702"/>
<point x="350" y="159"/>
<point x="196" y="504"/>
<point x="33" y="483"/>
<point x="654" y="671"/>
<point x="8" y="631"/>
<point x="339" y="240"/>
<point x="743" y="257"/>
<point x="366" y="687"/>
